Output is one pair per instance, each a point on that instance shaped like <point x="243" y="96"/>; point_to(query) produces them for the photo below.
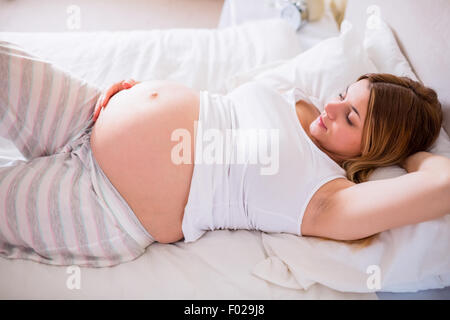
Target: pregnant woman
<point x="129" y="187"/>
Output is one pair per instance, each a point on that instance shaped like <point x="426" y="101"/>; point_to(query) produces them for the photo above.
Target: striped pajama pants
<point x="57" y="206"/>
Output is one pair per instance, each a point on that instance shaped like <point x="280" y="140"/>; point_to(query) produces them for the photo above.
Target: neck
<point x="335" y="157"/>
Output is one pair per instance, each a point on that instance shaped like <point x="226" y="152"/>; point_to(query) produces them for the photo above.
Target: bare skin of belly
<point x="131" y="142"/>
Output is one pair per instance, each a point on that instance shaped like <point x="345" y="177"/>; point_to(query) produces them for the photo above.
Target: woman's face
<point x="343" y="119"/>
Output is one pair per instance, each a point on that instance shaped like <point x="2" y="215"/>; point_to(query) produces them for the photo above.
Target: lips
<point x="321" y="122"/>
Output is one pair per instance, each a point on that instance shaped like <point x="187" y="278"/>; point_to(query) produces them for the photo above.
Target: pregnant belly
<point x="132" y="142"/>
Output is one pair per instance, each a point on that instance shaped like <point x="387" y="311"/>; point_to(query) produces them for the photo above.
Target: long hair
<point x="403" y="117"/>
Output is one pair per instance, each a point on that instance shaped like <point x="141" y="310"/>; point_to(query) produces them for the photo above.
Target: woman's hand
<point x="426" y="161"/>
<point x="104" y="98"/>
<point x="413" y="162"/>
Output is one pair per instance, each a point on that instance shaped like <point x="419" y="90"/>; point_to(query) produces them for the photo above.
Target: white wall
<point x="95" y="15"/>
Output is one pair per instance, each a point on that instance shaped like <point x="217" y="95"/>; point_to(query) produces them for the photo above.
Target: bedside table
<point x="236" y="12"/>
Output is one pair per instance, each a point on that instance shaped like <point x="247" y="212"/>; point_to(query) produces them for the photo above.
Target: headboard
<point x="422" y="29"/>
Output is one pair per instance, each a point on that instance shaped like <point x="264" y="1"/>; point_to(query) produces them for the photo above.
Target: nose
<point x="331" y="108"/>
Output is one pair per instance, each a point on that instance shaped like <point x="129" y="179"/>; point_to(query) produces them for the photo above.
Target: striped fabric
<point x="57" y="207"/>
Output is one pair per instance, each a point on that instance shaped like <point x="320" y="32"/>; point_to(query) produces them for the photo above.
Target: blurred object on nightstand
<point x="337" y="7"/>
<point x="299" y="12"/>
<point x="236" y="12"/>
<point x="310" y="10"/>
<point x="316" y="9"/>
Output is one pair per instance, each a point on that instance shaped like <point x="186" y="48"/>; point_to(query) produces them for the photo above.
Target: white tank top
<point x="255" y="167"/>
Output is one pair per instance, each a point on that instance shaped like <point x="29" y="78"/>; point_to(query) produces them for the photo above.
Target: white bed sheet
<point x="217" y="266"/>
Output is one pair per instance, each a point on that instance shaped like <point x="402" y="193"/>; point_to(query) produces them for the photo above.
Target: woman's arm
<point x="364" y="209"/>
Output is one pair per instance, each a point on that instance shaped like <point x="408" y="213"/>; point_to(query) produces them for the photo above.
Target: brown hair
<point x="403" y="117"/>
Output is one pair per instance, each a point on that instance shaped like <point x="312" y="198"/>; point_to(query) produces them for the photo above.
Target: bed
<point x="236" y="264"/>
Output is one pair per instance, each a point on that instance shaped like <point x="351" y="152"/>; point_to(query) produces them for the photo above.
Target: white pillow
<point x="321" y="72"/>
<point x="199" y="58"/>
<point x="405" y="259"/>
<point x="383" y="50"/>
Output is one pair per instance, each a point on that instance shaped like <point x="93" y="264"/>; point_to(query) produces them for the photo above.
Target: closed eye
<point x="349" y="122"/>
<point x="348" y="119"/>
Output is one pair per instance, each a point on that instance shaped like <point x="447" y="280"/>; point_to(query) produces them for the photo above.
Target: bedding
<point x="196" y="57"/>
<point x="217" y="266"/>
<point x="408" y="258"/>
<point x="228" y="264"/>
